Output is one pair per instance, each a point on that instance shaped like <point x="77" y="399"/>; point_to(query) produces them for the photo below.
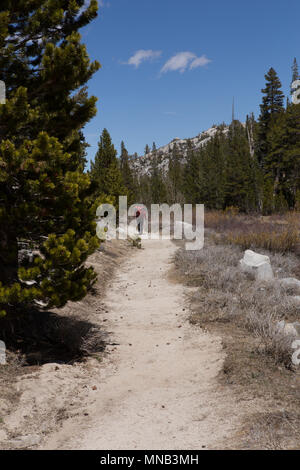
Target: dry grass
<point x="244" y="312"/>
<point x="226" y="293"/>
<point x="283" y="242"/>
<point x="272" y="430"/>
<point x="278" y="234"/>
<point x="8" y="375"/>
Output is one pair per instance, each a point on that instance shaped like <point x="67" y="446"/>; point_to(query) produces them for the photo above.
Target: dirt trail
<point x="158" y="388"/>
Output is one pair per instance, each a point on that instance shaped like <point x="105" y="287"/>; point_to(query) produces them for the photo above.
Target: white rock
<point x="292" y="329"/>
<point x="290" y="282"/>
<point x="255" y="259"/>
<point x="257" y="264"/>
<point x="24" y="442"/>
<point x="296" y="325"/>
<point x="295" y="299"/>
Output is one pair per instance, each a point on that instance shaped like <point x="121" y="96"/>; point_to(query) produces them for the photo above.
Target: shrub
<point x="227" y="294"/>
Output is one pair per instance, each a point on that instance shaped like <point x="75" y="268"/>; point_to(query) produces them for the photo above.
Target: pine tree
<point x="127" y="174"/>
<point x="156" y="182"/>
<point x="271" y="107"/>
<point x="274" y="160"/>
<point x="191" y="176"/>
<point x="105" y="173"/>
<point x="239" y="170"/>
<point x="292" y="153"/>
<point x="282" y="164"/>
<point x="213" y="162"/>
<point x="144" y="191"/>
<point x="44" y="201"/>
<point x="268" y="205"/>
<point x="175" y="176"/>
<point x="147" y="149"/>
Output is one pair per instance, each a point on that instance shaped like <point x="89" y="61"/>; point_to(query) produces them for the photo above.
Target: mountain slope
<point x="142" y="164"/>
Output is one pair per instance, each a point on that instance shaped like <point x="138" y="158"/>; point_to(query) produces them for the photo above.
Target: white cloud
<point x="199" y="62"/>
<point x="142" y="55"/>
<point x="183" y="60"/>
<point x="179" y="62"/>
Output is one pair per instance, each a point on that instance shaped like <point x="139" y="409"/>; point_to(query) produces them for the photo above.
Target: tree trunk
<point x="8" y="257"/>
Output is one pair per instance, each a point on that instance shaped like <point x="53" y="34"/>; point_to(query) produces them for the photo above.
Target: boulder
<point x="290" y="282"/>
<point x="25" y="442"/>
<point x="257" y="264"/>
<point x="295" y="299"/>
<point x="291" y="329"/>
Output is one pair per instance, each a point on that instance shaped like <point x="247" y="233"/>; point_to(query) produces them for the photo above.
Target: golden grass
<point x="283" y="242"/>
<point x="278" y="234"/>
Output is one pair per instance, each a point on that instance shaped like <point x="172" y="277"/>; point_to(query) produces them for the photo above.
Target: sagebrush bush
<point x="275" y="342"/>
<point x="226" y="293"/>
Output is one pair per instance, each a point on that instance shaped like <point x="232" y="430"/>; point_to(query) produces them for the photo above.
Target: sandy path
<point x="158" y="389"/>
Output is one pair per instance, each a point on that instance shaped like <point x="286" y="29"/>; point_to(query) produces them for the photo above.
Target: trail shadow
<point x="44" y="337"/>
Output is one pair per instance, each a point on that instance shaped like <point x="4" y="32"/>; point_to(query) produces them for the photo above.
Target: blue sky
<point x="195" y="57"/>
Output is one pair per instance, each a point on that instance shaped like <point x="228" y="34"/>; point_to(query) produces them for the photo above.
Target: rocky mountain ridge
<point x="142" y="164"/>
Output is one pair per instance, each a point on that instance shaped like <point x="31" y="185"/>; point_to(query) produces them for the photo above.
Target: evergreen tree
<point x="157" y="184"/>
<point x="291" y="182"/>
<point x="191" y="176"/>
<point x="239" y="170"/>
<point x="105" y="173"/>
<point x="268" y="205"/>
<point x="282" y="161"/>
<point x="285" y="155"/>
<point x="175" y="176"/>
<point x="213" y="163"/>
<point x="274" y="160"/>
<point x="44" y="200"/>
<point x="144" y="192"/>
<point x="271" y="107"/>
<point x="147" y="149"/>
<point x="127" y="174"/>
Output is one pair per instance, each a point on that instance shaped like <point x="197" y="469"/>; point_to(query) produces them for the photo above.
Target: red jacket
<point x="140" y="211"/>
